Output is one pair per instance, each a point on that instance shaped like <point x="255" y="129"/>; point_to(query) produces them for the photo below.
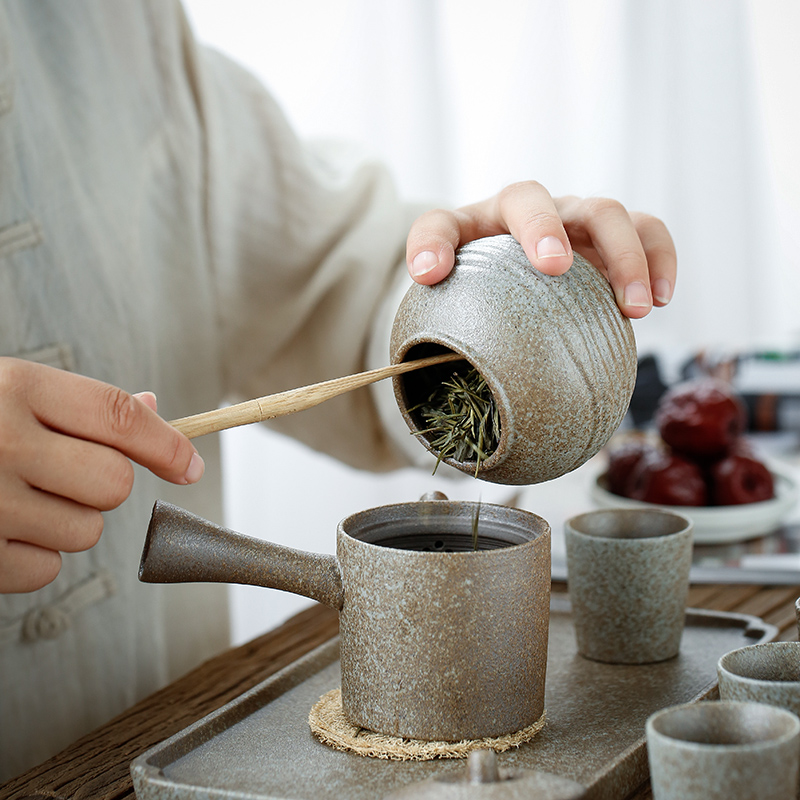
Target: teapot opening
<point x="452" y="407"/>
<point x="443" y="542"/>
<point x="443" y="527"/>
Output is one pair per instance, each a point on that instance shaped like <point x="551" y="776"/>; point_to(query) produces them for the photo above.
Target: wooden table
<point x="97" y="766"/>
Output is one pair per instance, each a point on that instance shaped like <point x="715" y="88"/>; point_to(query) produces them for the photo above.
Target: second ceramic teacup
<point x="628" y="577"/>
<point x="764" y="673"/>
<point x="724" y="751"/>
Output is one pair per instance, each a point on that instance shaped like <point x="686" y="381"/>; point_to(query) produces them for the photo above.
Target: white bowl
<point x="720" y="524"/>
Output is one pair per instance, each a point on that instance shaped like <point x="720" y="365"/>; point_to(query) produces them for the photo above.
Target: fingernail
<point x="148" y="398"/>
<point x="662" y="290"/>
<point x="423" y="263"/>
<point x="550" y="247"/>
<point x="196" y="469"/>
<point x="636" y="295"/>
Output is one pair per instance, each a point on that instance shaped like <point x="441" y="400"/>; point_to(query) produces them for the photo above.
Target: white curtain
<point x="689" y="109"/>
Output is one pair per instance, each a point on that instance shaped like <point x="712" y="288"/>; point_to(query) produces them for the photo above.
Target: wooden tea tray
<point x="259" y="746"/>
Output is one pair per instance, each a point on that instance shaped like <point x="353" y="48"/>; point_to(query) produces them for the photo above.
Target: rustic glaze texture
<point x="763" y="673"/>
<point x="259" y="745"/>
<point x="482" y="779"/>
<point x="444" y="645"/>
<point x="437" y="641"/>
<point x="183" y="548"/>
<point x="557" y="353"/>
<point x="797" y="615"/>
<point x="628" y="576"/>
<point x="723" y="751"/>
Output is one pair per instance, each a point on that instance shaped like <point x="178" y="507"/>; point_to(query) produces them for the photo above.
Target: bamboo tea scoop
<point x="289" y="402"/>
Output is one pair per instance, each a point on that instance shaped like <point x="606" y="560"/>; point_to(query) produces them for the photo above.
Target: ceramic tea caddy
<point x="556" y="352"/>
<point x="438" y="641"/>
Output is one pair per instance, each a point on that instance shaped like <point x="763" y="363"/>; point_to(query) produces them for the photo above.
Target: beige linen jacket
<point x="162" y="228"/>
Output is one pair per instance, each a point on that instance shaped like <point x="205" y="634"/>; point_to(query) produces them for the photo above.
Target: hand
<point x="65" y="445"/>
<point x="633" y="250"/>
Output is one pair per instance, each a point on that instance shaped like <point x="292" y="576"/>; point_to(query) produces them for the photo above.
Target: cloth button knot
<point x="46" y="622"/>
<point x="51" y="620"/>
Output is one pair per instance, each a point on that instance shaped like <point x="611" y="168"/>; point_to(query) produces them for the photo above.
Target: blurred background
<point x="685" y="109"/>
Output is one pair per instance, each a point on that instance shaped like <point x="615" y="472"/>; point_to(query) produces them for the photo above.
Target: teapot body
<point x="438" y="641"/>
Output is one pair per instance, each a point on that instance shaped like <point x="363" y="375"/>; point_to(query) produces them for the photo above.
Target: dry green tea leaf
<point x="461" y="418"/>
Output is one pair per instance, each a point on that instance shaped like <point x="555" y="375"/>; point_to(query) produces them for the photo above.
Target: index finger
<point x="636" y="251"/>
<point x="90" y="409"/>
<point x="526" y="210"/>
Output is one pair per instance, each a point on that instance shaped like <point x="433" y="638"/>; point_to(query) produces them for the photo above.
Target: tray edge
<point x="147" y="769"/>
<point x="150" y="783"/>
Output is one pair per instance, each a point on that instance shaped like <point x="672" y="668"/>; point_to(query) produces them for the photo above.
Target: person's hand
<point x="65" y="445"/>
<point x="633" y="250"/>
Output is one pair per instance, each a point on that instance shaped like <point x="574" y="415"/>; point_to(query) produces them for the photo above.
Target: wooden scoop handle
<point x="283" y="403"/>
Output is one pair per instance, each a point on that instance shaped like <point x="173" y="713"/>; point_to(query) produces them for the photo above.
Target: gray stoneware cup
<point x="628" y="579"/>
<point x="724" y="750"/>
<point x="797" y="615"/>
<point x="556" y="352"/>
<point x="438" y="641"/>
<point x="764" y="673"/>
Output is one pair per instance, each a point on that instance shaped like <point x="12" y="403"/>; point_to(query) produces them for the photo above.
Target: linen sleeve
<point x="307" y="242"/>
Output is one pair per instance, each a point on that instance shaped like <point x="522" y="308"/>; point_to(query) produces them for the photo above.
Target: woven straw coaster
<point x="329" y="724"/>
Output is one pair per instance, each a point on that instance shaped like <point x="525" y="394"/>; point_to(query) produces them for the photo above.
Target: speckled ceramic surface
<point x="765" y="673"/>
<point x="260" y="745"/>
<point x="482" y="779"/>
<point x="438" y="641"/>
<point x="797" y="615"/>
<point x="724" y="751"/>
<point x="558" y="355"/>
<point x="628" y="576"/>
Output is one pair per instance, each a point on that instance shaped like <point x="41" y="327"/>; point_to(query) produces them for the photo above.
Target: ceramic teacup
<point x="724" y="750"/>
<point x="764" y="673"/>
<point x="628" y="578"/>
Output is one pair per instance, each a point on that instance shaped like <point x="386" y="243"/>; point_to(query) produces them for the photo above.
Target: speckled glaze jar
<point x="438" y="641"/>
<point x="557" y="353"/>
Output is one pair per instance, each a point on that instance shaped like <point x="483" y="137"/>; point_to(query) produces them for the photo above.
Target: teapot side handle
<point x="183" y="548"/>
